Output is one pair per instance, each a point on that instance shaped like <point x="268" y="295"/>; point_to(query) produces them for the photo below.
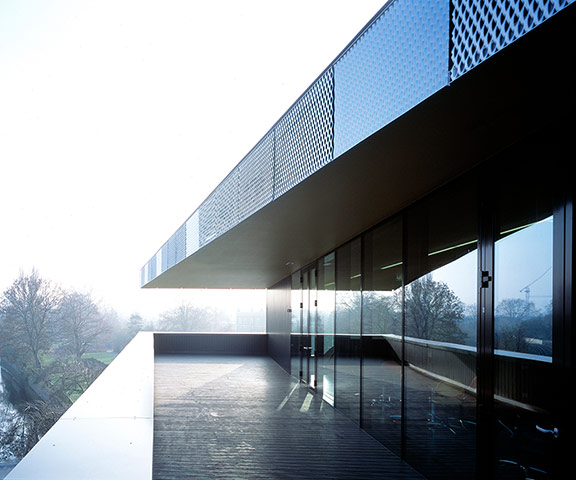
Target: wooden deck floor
<point x="220" y="417"/>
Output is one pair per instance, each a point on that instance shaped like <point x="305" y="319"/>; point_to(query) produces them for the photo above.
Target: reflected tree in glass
<point x="440" y="299"/>
<point x="433" y="311"/>
<point x="347" y="326"/>
<point x="523" y="313"/>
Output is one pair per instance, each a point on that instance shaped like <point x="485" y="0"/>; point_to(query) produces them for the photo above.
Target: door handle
<point x="485" y="279"/>
<point x="554" y="431"/>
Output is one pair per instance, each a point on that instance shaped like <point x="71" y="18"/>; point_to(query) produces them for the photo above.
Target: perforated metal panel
<point x="304" y="135"/>
<point x="400" y="60"/>
<point x="409" y="52"/>
<point x="158" y="262"/>
<point x="219" y="212"/>
<point x="165" y="259"/>
<point x="174" y="250"/>
<point x="256" y="178"/>
<point x="180" y="244"/>
<point x="481" y="28"/>
<point x="151" y="268"/>
<point x="192" y="234"/>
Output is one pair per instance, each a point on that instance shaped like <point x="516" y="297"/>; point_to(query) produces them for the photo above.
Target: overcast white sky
<point x="119" y="117"/>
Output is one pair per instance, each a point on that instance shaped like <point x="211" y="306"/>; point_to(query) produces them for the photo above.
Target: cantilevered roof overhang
<point x="525" y="87"/>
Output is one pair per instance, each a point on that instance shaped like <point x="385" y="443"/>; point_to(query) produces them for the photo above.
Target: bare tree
<point x="71" y="376"/>
<point x="516" y="309"/>
<point x="80" y="323"/>
<point x="433" y="311"/>
<point x="135" y="325"/>
<point x="28" y="308"/>
<point x="512" y="323"/>
<point x="22" y="429"/>
<point x="381" y="313"/>
<point x="191" y="318"/>
<point x="116" y="336"/>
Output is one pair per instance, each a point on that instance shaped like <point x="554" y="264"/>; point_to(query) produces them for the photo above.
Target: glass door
<point x="312" y="328"/>
<point x="435" y="315"/>
<point x="308" y="328"/>
<point x="524" y="369"/>
<point x="324" y="348"/>
<point x="527" y="308"/>
<point x="296" y="325"/>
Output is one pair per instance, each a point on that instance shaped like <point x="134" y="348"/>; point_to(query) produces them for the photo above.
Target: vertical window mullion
<point x="485" y="335"/>
<point x="403" y="346"/>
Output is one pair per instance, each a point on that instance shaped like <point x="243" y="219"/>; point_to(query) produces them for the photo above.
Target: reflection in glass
<point x="312" y="328"/>
<point x="440" y="303"/>
<point x="523" y="294"/>
<point x="324" y="350"/>
<point x="295" y="324"/>
<point x="348" y="315"/>
<point x="305" y="329"/>
<point x="523" y="298"/>
<point x="308" y="327"/>
<point x="381" y="334"/>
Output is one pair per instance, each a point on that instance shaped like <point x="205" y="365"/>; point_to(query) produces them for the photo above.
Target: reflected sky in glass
<point x="524" y="265"/>
<point x="460" y="276"/>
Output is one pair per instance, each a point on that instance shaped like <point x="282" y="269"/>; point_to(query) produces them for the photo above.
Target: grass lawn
<point x="104" y="357"/>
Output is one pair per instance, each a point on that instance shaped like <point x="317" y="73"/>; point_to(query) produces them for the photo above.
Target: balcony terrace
<point x="244" y="417"/>
<point x="159" y="412"/>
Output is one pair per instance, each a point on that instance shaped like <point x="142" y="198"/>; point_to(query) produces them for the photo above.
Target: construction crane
<point x="526" y="289"/>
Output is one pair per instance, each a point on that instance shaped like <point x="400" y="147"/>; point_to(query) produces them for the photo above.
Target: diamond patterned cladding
<point x="219" y="212"/>
<point x="174" y="250"/>
<point x="152" y="269"/>
<point x="304" y="135"/>
<point x="481" y="28"/>
<point x="192" y="234"/>
<point x="400" y="60"/>
<point x="256" y="178"/>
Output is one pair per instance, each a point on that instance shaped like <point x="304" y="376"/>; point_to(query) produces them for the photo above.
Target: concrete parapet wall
<point x="211" y="343"/>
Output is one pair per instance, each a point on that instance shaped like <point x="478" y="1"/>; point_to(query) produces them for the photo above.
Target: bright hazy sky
<point x="119" y="117"/>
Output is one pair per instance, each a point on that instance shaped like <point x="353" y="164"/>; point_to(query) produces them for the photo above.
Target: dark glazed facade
<point x="450" y="320"/>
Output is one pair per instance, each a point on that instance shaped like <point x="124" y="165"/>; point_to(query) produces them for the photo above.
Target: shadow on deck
<point x="240" y="417"/>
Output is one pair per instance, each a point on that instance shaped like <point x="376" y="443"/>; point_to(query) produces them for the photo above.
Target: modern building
<point x="411" y="216"/>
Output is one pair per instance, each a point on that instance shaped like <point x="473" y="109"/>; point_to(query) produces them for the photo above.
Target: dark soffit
<point x="518" y="91"/>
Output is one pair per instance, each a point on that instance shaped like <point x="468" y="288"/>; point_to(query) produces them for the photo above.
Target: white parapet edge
<point x="108" y="432"/>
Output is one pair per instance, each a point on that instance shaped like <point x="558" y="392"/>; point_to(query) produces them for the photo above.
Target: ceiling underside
<point x="516" y="92"/>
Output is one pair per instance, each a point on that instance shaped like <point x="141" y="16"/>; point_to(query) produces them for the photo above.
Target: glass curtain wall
<point x="348" y="315"/>
<point x="440" y="308"/>
<point x="446" y="345"/>
<point x="382" y="334"/>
